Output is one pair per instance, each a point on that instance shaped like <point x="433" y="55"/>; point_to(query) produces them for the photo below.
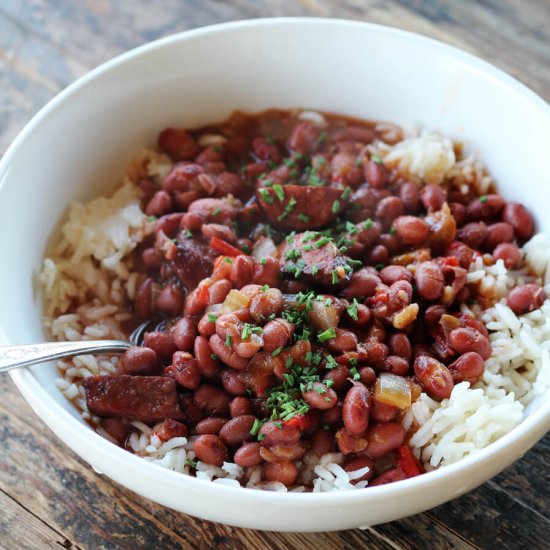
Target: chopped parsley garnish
<point x="352" y="309"/>
<point x="368" y="223"/>
<point x="314" y="269"/>
<point x="315" y="181"/>
<point x="256" y="427"/>
<point x="377" y="159"/>
<point x="188" y="233"/>
<point x="152" y="218"/>
<point x="346" y="193"/>
<point x="214" y="356"/>
<point x="279" y="191"/>
<point x="288" y="208"/>
<point x="264" y="288"/>
<point x="289" y="162"/>
<point x="354" y="374"/>
<point x="216" y="212"/>
<point x="321" y="139"/>
<point x="249" y="329"/>
<point x="276" y="352"/>
<point x="228" y="260"/>
<point x="393" y="231"/>
<point x="228" y="340"/>
<point x="292" y="254"/>
<point x="335" y="277"/>
<point x="190" y="462"/>
<point x="266" y="196"/>
<point x="261" y="436"/>
<point x="336" y="207"/>
<point x="263" y="261"/>
<point x="321" y="242"/>
<point x="378" y="267"/>
<point x="277" y="424"/>
<point x="303" y="217"/>
<point x="483" y="198"/>
<point x="327" y="335"/>
<point x="331" y="362"/>
<point x="212" y="317"/>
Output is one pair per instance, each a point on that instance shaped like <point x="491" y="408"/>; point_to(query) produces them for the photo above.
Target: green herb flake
<point x="228" y="340"/>
<point x="353" y="361"/>
<point x="351" y="228"/>
<point x="278" y="424"/>
<point x="214" y="356"/>
<point x="276" y="352"/>
<point x="320" y="389"/>
<point x="376" y="159"/>
<point x="334" y="275"/>
<point x="327" y="335"/>
<point x="304" y="218"/>
<point x="326" y="427"/>
<point x="346" y="193"/>
<point x="228" y="260"/>
<point x="256" y="427"/>
<point x="288" y="209"/>
<point x="483" y="199"/>
<point x="379" y="267"/>
<point x="352" y="309"/>
<point x="336" y="207"/>
<point x="321" y="139"/>
<point x="263" y="261"/>
<point x="321" y="242"/>
<point x="261" y="436"/>
<point x="393" y="231"/>
<point x="279" y="191"/>
<point x="266" y="197"/>
<point x="191" y="463"/>
<point x="354" y="374"/>
<point x="314" y="269"/>
<point x="216" y="212"/>
<point x="212" y="317"/>
<point x="368" y="223"/>
<point x="188" y="234"/>
<point x="152" y="218"/>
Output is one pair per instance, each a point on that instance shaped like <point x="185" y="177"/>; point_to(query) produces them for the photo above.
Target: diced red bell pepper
<point x="407" y="462"/>
<point x="304" y="422"/>
<point x="222" y="247"/>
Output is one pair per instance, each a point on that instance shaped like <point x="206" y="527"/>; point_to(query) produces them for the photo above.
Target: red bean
<point x="400" y="295"/>
<point x="184" y="334"/>
<point x="509" y="253"/>
<point x="367" y="233"/>
<point x="170" y="300"/>
<point x="207" y="324"/>
<point x="526" y="298"/>
<point x="486" y="207"/>
<point x="232" y="382"/>
<point x="378" y="255"/>
<point x="284" y="472"/>
<point x="211" y="425"/>
<point x="279" y="433"/>
<point x="210" y="449"/>
<point x="459" y="213"/>
<point x="345" y="340"/>
<point x="388" y="477"/>
<point x="242" y="271"/>
<point x="396" y="365"/>
<point x="362" y="316"/>
<point x="434" y="377"/>
<point x="226" y="354"/>
<point x="433" y="196"/>
<point x="178" y="143"/>
<point x="208" y="365"/>
<point x="384" y="438"/>
<point x="151" y="258"/>
<point x="358" y="463"/>
<point x="162" y="343"/>
<point x="462" y="252"/>
<point x="160" y="204"/>
<point x="304" y="137"/>
<point x="400" y="345"/>
<point x="211" y="400"/>
<point x="391" y="242"/>
<point x="382" y="412"/>
<point x="376" y="352"/>
<point x="248" y="455"/>
<point x="277" y="334"/>
<point x="171" y="428"/>
<point x="367" y="376"/>
<point x="138" y="361"/>
<point x="322" y="442"/>
<point x="320" y="396"/>
<point x="218" y="291"/>
<point x="388" y="209"/>
<point x="375" y="174"/>
<point x="266" y="303"/>
<point x="116" y="428"/>
<point x="345" y="170"/>
<point x="410" y="195"/>
<point x="464" y="339"/>
<point x="429" y="281"/>
<point x="267" y="273"/>
<point x="339" y="376"/>
<point x="519" y="218"/>
<point x="411" y="230"/>
<point x="498" y="233"/>
<point x="393" y="273"/>
<point x="362" y="283"/>
<point x="355" y="412"/>
<point x="473" y="234"/>
<point x="186" y="370"/>
<point x="349" y="444"/>
<point x="237" y="430"/>
<point x="467" y="367"/>
<point x="239" y="406"/>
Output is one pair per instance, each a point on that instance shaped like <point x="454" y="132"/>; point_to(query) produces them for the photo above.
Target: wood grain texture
<point x="49" y="498"/>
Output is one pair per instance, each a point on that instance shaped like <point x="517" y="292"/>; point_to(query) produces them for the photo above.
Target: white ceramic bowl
<point x="79" y="144"/>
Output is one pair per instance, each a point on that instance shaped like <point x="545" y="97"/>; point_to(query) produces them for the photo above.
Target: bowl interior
<point x="78" y="147"/>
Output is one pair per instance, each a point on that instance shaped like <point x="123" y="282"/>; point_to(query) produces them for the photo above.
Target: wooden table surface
<point x="48" y="496"/>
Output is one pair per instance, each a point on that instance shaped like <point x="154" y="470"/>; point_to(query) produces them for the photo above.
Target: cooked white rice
<point x="89" y="285"/>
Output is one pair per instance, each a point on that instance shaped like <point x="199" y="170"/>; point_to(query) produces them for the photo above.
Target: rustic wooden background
<point x="48" y="496"/>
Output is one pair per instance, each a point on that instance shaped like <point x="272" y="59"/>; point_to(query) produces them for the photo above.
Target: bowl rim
<point x="515" y="442"/>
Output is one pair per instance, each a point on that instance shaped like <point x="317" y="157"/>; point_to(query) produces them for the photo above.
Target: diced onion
<point x="393" y="390"/>
<point x="323" y="316"/>
<point x="263" y="248"/>
<point x="234" y="301"/>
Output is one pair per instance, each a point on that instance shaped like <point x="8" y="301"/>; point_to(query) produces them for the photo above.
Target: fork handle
<point x="12" y="357"/>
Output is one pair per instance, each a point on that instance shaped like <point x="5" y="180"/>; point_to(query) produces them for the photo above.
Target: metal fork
<point x="13" y="357"/>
